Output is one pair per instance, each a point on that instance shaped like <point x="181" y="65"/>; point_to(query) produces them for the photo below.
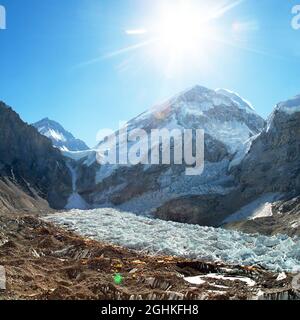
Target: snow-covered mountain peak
<point x="194" y="93"/>
<point x="226" y="125"/>
<point x="60" y="138"/>
<point x="222" y="114"/>
<point x="219" y="97"/>
<point x="198" y="101"/>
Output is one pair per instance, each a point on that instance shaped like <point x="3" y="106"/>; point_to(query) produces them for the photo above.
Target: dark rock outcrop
<point x="273" y="162"/>
<point x="206" y="210"/>
<point x="29" y="163"/>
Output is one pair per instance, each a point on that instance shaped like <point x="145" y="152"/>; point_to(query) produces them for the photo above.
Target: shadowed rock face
<point x="28" y="161"/>
<point x="273" y="162"/>
<point x="273" y="165"/>
<point x="206" y="210"/>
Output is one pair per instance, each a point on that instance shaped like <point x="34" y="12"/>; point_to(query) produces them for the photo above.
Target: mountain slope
<point x="30" y="168"/>
<point x="272" y="166"/>
<point x="144" y="188"/>
<point x="272" y="163"/>
<point x="60" y="138"/>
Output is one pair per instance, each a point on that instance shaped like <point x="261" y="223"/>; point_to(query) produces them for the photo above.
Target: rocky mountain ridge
<point x="31" y="170"/>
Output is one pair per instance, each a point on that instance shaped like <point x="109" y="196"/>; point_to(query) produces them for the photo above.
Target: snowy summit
<point x="60" y="138"/>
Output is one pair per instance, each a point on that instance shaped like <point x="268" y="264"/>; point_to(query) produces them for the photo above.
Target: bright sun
<point x="182" y="29"/>
<point x="183" y="35"/>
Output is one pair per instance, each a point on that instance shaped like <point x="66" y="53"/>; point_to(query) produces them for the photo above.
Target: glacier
<point x="153" y="236"/>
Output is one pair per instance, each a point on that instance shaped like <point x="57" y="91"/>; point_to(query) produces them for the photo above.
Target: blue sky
<point x="66" y="59"/>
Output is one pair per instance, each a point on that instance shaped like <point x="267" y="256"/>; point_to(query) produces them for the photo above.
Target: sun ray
<point x="128" y="49"/>
<point x="219" y="12"/>
<point x="236" y="44"/>
<point x="116" y="53"/>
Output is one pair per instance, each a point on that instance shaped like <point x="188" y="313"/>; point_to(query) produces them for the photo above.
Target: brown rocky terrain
<point x="45" y="262"/>
<point x="13" y="198"/>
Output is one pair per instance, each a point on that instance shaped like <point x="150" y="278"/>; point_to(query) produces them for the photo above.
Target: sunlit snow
<point x="259" y="208"/>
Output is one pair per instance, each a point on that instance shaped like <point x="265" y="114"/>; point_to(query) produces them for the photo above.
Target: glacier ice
<point x="279" y="253"/>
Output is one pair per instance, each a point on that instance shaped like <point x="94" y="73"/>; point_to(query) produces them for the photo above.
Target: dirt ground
<point x="45" y="262"/>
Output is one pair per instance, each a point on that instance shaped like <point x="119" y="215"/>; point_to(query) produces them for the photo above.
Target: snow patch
<point x="248" y="281"/>
<point x="55" y="135"/>
<point x="195" y="280"/>
<point x="281" y="276"/>
<point x="261" y="207"/>
<point x="75" y="201"/>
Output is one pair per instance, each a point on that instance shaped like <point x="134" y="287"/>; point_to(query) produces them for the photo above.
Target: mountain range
<point x="251" y="177"/>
